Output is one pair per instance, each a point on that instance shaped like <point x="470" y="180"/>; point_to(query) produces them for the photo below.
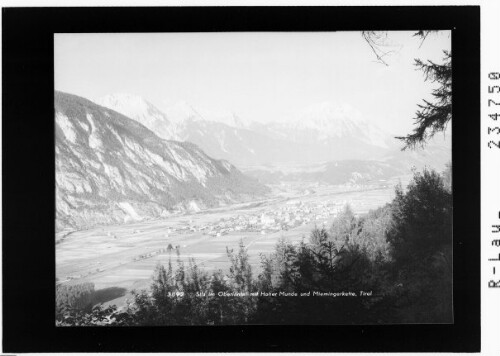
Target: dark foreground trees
<point x="393" y="265"/>
<point x="421" y="240"/>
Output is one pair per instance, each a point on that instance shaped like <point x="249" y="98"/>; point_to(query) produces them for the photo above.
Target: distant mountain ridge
<point x="319" y="133"/>
<point x="112" y="169"/>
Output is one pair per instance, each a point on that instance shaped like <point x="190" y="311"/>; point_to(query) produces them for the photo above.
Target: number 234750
<point x="494" y="89"/>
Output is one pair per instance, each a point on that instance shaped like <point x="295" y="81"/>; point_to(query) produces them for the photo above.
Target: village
<point x="282" y="218"/>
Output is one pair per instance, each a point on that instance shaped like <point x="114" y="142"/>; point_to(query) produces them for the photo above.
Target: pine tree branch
<point x="432" y="117"/>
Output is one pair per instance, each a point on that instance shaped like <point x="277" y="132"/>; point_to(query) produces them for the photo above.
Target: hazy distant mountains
<point x="110" y="168"/>
<point x="321" y="133"/>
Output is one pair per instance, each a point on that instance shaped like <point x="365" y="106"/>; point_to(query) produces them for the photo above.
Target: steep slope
<point x="110" y="169"/>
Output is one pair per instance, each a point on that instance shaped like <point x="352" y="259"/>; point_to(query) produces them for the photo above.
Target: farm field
<point x="124" y="256"/>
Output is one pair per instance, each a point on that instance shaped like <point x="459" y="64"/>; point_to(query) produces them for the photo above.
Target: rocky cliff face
<point x="112" y="169"/>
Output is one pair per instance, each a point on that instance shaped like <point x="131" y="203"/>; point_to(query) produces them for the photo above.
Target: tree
<point x="375" y="40"/>
<point x="431" y="117"/>
<point x="240" y="271"/>
<point x="372" y="234"/>
<point x="78" y="297"/>
<point x="420" y="234"/>
<point x="343" y="228"/>
<point x="421" y="218"/>
<point x="447" y="177"/>
<point x="421" y="240"/>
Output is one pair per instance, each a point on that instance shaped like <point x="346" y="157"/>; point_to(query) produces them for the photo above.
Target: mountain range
<point x="324" y="132"/>
<point x="112" y="169"/>
<point x="318" y="134"/>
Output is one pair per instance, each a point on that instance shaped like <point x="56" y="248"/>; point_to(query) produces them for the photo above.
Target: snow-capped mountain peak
<point x="182" y="111"/>
<point x="326" y="121"/>
<point x="226" y="117"/>
<point x="139" y="109"/>
<point x="127" y="104"/>
<point x="335" y="118"/>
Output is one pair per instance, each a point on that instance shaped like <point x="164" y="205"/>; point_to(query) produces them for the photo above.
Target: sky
<point x="259" y="76"/>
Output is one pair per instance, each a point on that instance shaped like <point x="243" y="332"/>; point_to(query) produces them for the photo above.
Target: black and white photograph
<point x="253" y="178"/>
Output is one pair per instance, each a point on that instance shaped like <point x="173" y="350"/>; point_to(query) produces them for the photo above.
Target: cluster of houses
<point x="288" y="216"/>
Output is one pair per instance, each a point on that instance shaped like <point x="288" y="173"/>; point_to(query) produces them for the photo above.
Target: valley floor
<point x="123" y="257"/>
